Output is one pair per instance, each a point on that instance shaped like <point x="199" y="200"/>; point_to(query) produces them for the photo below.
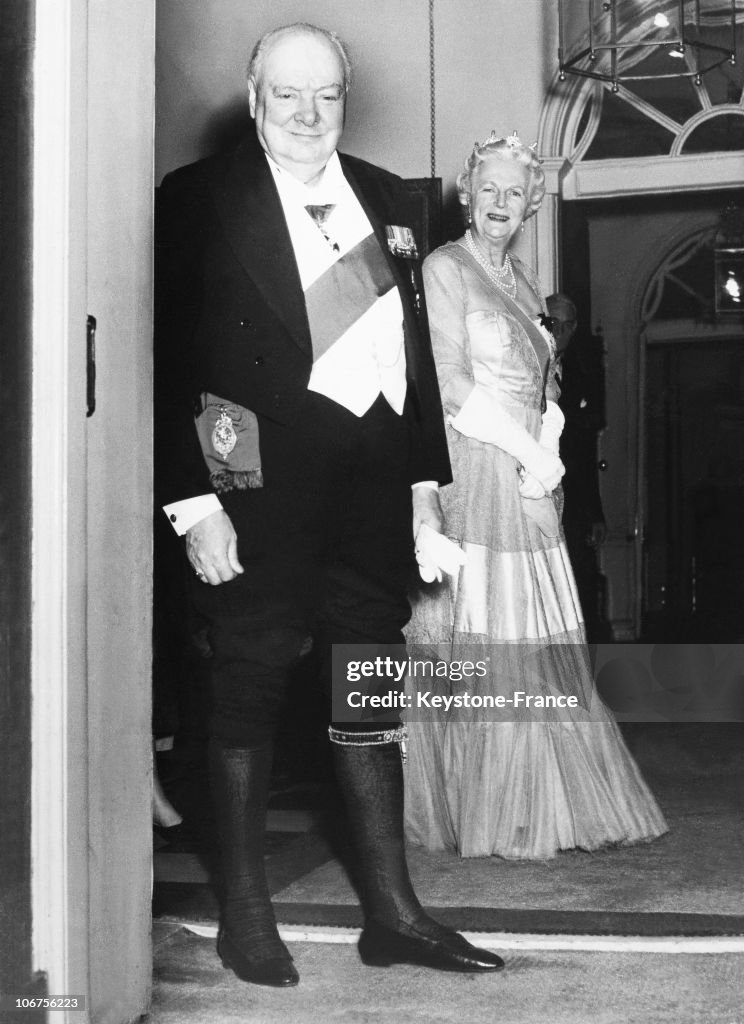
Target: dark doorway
<point x="693" y="475"/>
<point x="694" y="545"/>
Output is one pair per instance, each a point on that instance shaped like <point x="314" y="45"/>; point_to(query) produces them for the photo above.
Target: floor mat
<point x="191" y="987"/>
<point x="688" y="883"/>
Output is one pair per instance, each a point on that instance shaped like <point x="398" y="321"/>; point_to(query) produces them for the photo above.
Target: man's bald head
<point x="268" y="39"/>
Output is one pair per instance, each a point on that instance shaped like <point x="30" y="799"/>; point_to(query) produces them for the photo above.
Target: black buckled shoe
<point x="380" y="946"/>
<point x="278" y="971"/>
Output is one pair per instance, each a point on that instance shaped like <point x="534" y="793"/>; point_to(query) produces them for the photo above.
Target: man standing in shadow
<point x="583" y="404"/>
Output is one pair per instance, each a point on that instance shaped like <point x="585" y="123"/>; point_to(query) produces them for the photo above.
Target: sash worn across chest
<point x="344" y="293"/>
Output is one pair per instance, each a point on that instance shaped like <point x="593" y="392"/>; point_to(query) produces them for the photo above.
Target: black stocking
<point x="371" y="780"/>
<point x="240" y="785"/>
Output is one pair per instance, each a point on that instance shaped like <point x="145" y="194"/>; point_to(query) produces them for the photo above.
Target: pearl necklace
<point x="504" y="278"/>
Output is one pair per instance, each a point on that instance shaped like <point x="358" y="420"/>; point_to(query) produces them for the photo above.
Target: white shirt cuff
<point x="185" y="514"/>
<point x="431" y="484"/>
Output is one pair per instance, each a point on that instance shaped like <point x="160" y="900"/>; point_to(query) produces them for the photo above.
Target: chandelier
<point x="618" y="41"/>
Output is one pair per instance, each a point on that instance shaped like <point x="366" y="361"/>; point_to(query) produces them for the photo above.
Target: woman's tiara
<point x="513" y="141"/>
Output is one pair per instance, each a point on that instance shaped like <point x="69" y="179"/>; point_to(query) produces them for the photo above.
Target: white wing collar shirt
<point x="369" y="357"/>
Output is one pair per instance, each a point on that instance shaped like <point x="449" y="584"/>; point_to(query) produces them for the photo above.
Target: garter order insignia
<point x="228" y="436"/>
<point x="224" y="437"/>
<point x="401" y="242"/>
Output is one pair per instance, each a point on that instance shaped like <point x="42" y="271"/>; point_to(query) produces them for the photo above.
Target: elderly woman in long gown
<point x="528" y="785"/>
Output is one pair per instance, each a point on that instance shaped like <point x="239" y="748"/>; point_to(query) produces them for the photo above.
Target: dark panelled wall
<point x="16" y="40"/>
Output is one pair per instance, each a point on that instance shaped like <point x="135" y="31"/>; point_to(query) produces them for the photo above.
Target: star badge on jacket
<point x="401" y="242"/>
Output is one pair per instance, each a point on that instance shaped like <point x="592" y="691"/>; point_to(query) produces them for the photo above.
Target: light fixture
<point x="619" y="41"/>
<point x="728" y="256"/>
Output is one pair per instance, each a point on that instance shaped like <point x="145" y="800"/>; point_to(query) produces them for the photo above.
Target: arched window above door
<point x="682" y="286"/>
<point x="662" y="116"/>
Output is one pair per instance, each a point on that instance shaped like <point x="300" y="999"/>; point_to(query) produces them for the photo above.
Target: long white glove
<point x="436" y="554"/>
<point x="552" y="427"/>
<point x="485" y="419"/>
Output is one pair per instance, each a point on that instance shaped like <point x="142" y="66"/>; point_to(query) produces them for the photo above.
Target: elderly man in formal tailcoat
<point x="299" y="437"/>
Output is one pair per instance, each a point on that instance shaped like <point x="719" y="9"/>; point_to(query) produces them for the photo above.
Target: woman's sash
<point x="536" y="339"/>
<point x="542" y="511"/>
<point x="538" y="342"/>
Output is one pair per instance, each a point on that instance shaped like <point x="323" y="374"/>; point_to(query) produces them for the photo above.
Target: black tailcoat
<point x="230" y="309"/>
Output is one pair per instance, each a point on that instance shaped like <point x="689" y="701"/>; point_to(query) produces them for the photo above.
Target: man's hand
<point x="435" y="554"/>
<point x="426" y="509"/>
<point x="212" y="548"/>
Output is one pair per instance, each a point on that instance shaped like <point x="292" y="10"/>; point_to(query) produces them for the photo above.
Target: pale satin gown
<point x="530" y="784"/>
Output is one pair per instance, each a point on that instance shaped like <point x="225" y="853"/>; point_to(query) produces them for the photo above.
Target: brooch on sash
<point x="224" y="437"/>
<point x="401" y="242"/>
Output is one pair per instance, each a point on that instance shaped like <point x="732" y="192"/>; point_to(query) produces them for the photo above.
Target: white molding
<point x="708" y="113"/>
<point x="546" y="243"/>
<point x="648" y="109"/>
<point x="561" y="116"/>
<point x="555" y="170"/>
<point x="58" y="836"/>
<point x="49" y="444"/>
<point x="600" y="179"/>
<point x="580" y="146"/>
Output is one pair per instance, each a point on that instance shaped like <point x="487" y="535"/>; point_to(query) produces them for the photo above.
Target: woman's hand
<point x="530" y="486"/>
<point x="545" y="466"/>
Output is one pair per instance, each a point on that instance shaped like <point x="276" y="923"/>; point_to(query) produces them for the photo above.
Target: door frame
<point x="59" y="832"/>
<point x="91" y="835"/>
